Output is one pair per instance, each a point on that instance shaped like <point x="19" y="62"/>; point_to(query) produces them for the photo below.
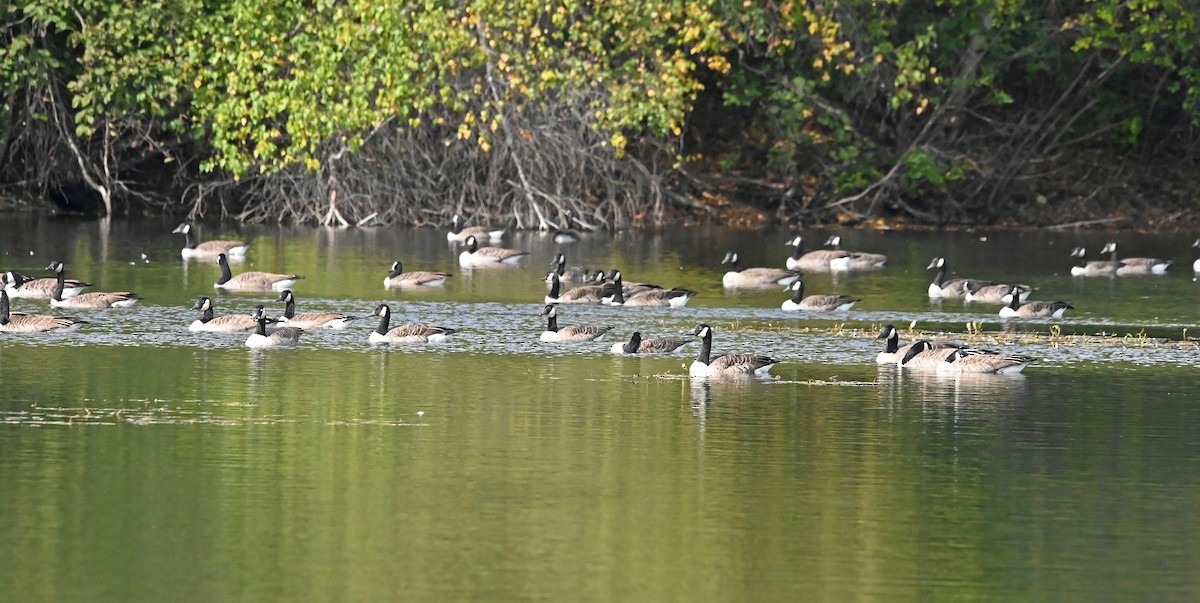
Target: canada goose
<point x="230" y="323"/>
<point x="648" y="296"/>
<point x="208" y="249"/>
<point x="554" y="332"/>
<point x="947" y="289"/>
<point x="311" y="320"/>
<point x="814" y="260"/>
<point x="488" y="257"/>
<point x="924" y="355"/>
<point x="816" y="303"/>
<point x="1053" y="309"/>
<point x="656" y="345"/>
<point x="405" y="333"/>
<point x="727" y="364"/>
<point x="893" y="351"/>
<point x="123" y="299"/>
<point x="586" y="294"/>
<point x="283" y="337"/>
<point x="978" y="291"/>
<point x="565" y="235"/>
<point x="459" y="234"/>
<point x="34" y="323"/>
<point x="1129" y="266"/>
<point x="755" y="277"/>
<point x="573" y="274"/>
<point x="630" y="288"/>
<point x="982" y="361"/>
<point x="1083" y="267"/>
<point x="19" y="285"/>
<point x="398" y="278"/>
<point x="253" y="280"/>
<point x="854" y="260"/>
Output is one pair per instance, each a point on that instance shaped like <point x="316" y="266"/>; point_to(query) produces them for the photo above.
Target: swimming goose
<point x="399" y="278"/>
<point x="554" y="332"/>
<point x="311" y="320"/>
<point x="283" y="337"/>
<point x="405" y="333"/>
<point x="208" y="249"/>
<point x="816" y="303"/>
<point x="727" y="365"/>
<point x="122" y="299"/>
<point x="459" y="234"/>
<point x="488" y="257"/>
<point x="982" y="361"/>
<point x="655" y="345"/>
<point x="1052" y="309"/>
<point x="924" y="355"/>
<point x="587" y="294"/>
<point x="755" y="277"/>
<point x="644" y="294"/>
<point x="574" y="274"/>
<point x="20" y="322"/>
<point x="978" y="291"/>
<point x="941" y="288"/>
<point x="253" y="280"/>
<point x="230" y="323"/>
<point x="1083" y="267"/>
<point x="814" y="260"/>
<point x="854" y="260"/>
<point x="19" y="285"/>
<point x="565" y="235"/>
<point x="1130" y="266"/>
<point x="893" y="351"/>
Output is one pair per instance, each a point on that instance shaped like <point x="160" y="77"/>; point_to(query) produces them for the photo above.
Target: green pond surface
<point x="141" y="462"/>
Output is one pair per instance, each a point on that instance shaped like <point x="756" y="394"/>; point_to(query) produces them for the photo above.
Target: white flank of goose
<point x="755" y="277"/>
<point x="310" y="320"/>
<point x="706" y="365"/>
<point x="283" y="337"/>
<point x="231" y="323"/>
<point x="941" y="288"/>
<point x="488" y="257"/>
<point x="982" y="361"/>
<point x="1052" y="309"/>
<point x="399" y="278"/>
<point x="555" y="333"/>
<point x="816" y="303"/>
<point x="1131" y="266"/>
<point x="253" y="280"/>
<point x="587" y="294"/>
<point x="814" y="260"/>
<point x="208" y="249"/>
<point x="19" y="322"/>
<point x="1084" y="267"/>
<point x="122" y="299"/>
<point x="459" y="233"/>
<point x="19" y="285"/>
<point x="647" y="295"/>
<point x="654" y="345"/>
<point x="854" y="260"/>
<point x="405" y="333"/>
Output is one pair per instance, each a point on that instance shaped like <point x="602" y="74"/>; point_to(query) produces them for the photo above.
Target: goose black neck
<point x="1082" y="262"/>
<point x="705" y="347"/>
<point x="4" y="309"/>
<point x="289" y="310"/>
<point x="555" y="285"/>
<point x="940" y="277"/>
<point x="1113" y="253"/>
<point x="456" y="226"/>
<point x="188" y="241"/>
<point x="619" y="296"/>
<point x="262" y="325"/>
<point x="207" y="314"/>
<point x="385" y="317"/>
<point x="799" y="250"/>
<point x="472" y="245"/>
<point x="893" y="343"/>
<point x="561" y="265"/>
<point x="631" y="346"/>
<point x="59" y="283"/>
<point x="225" y="273"/>
<point x="1016" y="298"/>
<point x="552" y="323"/>
<point x="397" y="270"/>
<point x="798" y="296"/>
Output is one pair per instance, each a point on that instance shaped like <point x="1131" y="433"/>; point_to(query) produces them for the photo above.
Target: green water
<point x="140" y="462"/>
